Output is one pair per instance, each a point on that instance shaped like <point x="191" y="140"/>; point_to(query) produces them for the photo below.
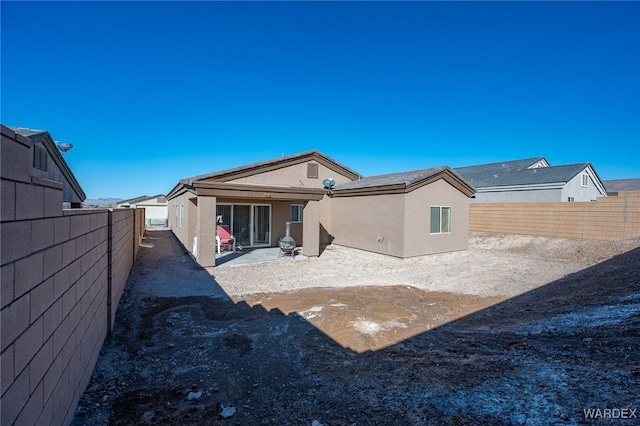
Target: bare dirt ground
<point x="515" y="330"/>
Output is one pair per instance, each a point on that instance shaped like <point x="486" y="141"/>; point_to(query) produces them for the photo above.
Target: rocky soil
<point x="515" y="330"/>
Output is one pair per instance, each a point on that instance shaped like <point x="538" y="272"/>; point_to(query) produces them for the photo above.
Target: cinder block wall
<point x="608" y="218"/>
<point x="122" y="252"/>
<point x="58" y="278"/>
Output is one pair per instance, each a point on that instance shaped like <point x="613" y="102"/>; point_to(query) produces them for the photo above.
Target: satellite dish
<point x="64" y="147"/>
<point x="328" y="184"/>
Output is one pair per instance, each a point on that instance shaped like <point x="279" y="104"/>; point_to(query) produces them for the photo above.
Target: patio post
<point x="311" y="229"/>
<point x="206" y="231"/>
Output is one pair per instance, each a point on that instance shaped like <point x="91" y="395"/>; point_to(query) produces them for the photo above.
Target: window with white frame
<point x="296" y="212"/>
<point x="440" y="220"/>
<point x="181" y="215"/>
<point x="585" y="180"/>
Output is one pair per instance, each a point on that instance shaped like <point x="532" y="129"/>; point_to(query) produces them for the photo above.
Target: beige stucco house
<point x="391" y="214"/>
<point x="155" y="208"/>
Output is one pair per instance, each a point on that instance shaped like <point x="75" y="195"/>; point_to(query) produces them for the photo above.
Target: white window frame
<point x="300" y="208"/>
<point x="585" y="180"/>
<point x="441" y="231"/>
<point x="181" y="215"/>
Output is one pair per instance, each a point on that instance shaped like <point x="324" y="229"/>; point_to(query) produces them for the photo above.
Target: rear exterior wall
<point x="418" y="239"/>
<point x="369" y="222"/>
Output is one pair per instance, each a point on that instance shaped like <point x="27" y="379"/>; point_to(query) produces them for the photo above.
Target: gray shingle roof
<point x="622" y="185"/>
<point x="483" y="174"/>
<point x="516" y="173"/>
<point x="26" y="132"/>
<point x="406" y="178"/>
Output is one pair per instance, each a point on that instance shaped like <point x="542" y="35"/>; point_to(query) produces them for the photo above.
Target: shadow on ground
<point x="183" y="353"/>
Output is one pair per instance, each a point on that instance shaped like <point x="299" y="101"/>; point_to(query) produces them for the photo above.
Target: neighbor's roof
<point x="138" y="199"/>
<point x="26" y="132"/>
<point x="407" y="181"/>
<point x="483" y="174"/>
<point x="517" y="173"/>
<point x="48" y="142"/>
<point x="259" y="167"/>
<point x="622" y="185"/>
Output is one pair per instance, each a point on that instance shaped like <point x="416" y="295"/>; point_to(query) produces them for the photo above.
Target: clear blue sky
<point x="152" y="92"/>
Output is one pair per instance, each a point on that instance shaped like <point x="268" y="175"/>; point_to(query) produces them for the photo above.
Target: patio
<point x="255" y="256"/>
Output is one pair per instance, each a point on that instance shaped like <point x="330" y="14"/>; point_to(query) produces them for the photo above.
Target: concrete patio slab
<point x="258" y="255"/>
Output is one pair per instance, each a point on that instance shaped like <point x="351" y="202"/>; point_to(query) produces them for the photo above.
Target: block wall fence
<point x="62" y="275"/>
<point x="608" y="218"/>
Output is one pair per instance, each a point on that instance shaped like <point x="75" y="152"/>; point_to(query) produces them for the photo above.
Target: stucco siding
<point x="418" y="239"/>
<point x="518" y="196"/>
<point x="181" y="228"/>
<point x="574" y="189"/>
<point x="373" y="223"/>
<point x="294" y="175"/>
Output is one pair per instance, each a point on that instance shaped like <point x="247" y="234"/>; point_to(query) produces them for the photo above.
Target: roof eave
<point x="447" y="174"/>
<point x="277" y="163"/>
<point x="51" y="147"/>
<point x="234" y="190"/>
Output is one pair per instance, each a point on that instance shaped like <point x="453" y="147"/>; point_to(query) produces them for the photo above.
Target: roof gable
<point x="43" y="137"/>
<point x="270" y="165"/>
<point x="404" y="182"/>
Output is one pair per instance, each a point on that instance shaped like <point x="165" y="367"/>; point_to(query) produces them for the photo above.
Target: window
<point x="312" y="170"/>
<point x="440" y="220"/>
<point x="585" y="180"/>
<point x="181" y="215"/>
<point x="39" y="158"/>
<point x="296" y="212"/>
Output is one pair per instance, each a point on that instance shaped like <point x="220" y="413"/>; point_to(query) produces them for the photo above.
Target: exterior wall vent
<point x="40" y="158"/>
<point x="312" y="170"/>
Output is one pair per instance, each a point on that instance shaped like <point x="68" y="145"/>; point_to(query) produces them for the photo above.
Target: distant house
<point x="533" y="179"/>
<point x="48" y="163"/>
<point x="615" y="186"/>
<point x="155" y="208"/>
<point x="404" y="214"/>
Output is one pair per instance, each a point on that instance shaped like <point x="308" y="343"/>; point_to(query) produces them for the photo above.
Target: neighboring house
<point x="615" y="186"/>
<point x="48" y="163"/>
<point x="534" y="180"/>
<point x="156" y="208"/>
<point x="257" y="200"/>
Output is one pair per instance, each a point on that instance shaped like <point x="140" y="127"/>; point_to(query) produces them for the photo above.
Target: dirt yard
<point x="515" y="330"/>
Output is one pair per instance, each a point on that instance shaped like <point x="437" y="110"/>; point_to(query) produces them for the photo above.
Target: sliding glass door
<point x="261" y="219"/>
<point x="250" y="223"/>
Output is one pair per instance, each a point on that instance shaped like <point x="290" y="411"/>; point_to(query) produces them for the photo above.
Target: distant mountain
<point x="101" y="202"/>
